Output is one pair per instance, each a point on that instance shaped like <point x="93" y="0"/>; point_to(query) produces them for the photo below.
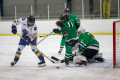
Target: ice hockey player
<point x="77" y="26"/>
<point x="68" y="30"/>
<point x="88" y="49"/>
<point x="29" y="32"/>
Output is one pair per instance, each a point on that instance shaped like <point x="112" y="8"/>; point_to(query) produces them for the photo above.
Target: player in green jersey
<point x="77" y="25"/>
<point x="88" y="48"/>
<point x="68" y="30"/>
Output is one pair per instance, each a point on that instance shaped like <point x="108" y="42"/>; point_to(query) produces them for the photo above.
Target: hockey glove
<point x="25" y="32"/>
<point x="29" y="40"/>
<point x="56" y="31"/>
<point x="14" y="29"/>
<point x="76" y="26"/>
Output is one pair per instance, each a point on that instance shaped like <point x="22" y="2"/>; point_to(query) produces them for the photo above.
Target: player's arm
<point x="83" y="41"/>
<point x="15" y="23"/>
<point x="77" y="22"/>
<point x="58" y="31"/>
<point x="34" y="34"/>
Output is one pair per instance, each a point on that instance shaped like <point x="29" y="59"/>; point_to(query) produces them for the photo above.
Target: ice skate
<point x="66" y="63"/>
<point x="42" y="63"/>
<point x="60" y="50"/>
<point x="13" y="63"/>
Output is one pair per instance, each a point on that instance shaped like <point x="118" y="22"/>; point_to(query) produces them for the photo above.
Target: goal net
<point x="116" y="44"/>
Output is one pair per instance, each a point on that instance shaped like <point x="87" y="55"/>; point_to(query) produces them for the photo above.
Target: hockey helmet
<point x="66" y="10"/>
<point x="64" y="17"/>
<point x="31" y="19"/>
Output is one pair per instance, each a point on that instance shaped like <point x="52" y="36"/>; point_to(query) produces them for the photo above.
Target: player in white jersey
<point x="29" y="32"/>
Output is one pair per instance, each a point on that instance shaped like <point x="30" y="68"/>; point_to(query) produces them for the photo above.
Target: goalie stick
<point x="39" y="51"/>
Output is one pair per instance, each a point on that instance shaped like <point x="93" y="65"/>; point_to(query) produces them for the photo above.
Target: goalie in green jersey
<point x="68" y="30"/>
<point x="88" y="49"/>
<point x="77" y="25"/>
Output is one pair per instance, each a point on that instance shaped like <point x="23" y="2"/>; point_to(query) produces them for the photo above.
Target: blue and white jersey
<point x="32" y="30"/>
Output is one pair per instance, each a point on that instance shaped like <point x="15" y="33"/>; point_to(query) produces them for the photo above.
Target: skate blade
<point x="11" y="65"/>
<point x="42" y="65"/>
<point x="59" y="53"/>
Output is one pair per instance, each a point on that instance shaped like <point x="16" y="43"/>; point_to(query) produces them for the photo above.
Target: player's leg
<point x="62" y="44"/>
<point x="89" y="53"/>
<point x="98" y="57"/>
<point x="37" y="53"/>
<point x="86" y="55"/>
<point x="80" y="60"/>
<point x="69" y="55"/>
<point x="17" y="54"/>
<point x="21" y="46"/>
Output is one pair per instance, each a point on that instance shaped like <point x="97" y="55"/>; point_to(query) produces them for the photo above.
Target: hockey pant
<point x="89" y="53"/>
<point x="22" y="45"/>
<point x="69" y="46"/>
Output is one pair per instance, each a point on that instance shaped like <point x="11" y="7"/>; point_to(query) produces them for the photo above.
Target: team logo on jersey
<point x="64" y="32"/>
<point x="23" y="19"/>
<point x="35" y="28"/>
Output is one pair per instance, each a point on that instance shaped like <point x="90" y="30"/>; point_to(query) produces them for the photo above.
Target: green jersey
<point x="76" y="20"/>
<point x="87" y="41"/>
<point x="69" y="27"/>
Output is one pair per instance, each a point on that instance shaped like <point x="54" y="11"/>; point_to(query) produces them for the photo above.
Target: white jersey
<point x="32" y="30"/>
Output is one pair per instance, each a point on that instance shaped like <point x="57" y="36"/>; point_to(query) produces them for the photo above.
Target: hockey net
<point x="116" y="44"/>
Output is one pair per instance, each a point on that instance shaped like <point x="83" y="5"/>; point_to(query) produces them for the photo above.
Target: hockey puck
<point x="57" y="67"/>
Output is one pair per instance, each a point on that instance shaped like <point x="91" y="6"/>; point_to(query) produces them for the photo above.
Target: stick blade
<point x="57" y="60"/>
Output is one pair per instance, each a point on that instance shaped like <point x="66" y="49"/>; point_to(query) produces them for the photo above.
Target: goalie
<point x="87" y="49"/>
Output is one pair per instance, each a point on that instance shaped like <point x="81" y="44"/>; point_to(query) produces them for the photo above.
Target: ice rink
<point x="27" y="67"/>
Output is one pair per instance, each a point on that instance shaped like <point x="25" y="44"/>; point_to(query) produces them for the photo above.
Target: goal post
<point x="116" y="44"/>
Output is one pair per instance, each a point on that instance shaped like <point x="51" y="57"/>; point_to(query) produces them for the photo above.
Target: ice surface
<point x="27" y="68"/>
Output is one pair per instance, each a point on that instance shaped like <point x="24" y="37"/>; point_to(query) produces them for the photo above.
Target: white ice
<point x="27" y="68"/>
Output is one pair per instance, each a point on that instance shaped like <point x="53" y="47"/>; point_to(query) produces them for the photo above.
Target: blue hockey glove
<point x="29" y="40"/>
<point x="14" y="29"/>
<point x="25" y="32"/>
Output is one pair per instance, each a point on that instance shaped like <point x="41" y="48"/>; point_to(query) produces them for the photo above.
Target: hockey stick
<point x="44" y="38"/>
<point x="46" y="35"/>
<point x="56" y="59"/>
<point x="38" y="50"/>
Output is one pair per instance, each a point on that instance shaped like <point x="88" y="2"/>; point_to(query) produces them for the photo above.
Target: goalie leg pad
<point x="97" y="58"/>
<point x="79" y="60"/>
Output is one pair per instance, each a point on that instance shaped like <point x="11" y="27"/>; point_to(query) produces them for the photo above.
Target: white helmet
<point x="81" y="29"/>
